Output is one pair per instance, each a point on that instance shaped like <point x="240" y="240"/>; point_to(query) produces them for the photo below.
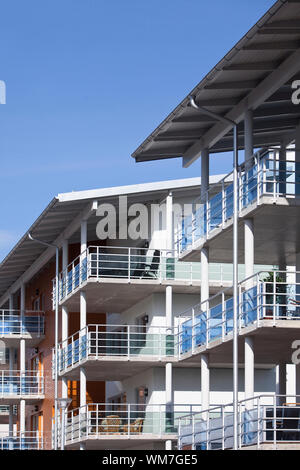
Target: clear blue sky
<point x="88" y="80"/>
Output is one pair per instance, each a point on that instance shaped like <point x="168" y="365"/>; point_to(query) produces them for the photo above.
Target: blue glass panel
<point x="186" y="336"/>
<point x="76" y="275"/>
<point x="70" y="275"/>
<point x="215" y="322"/>
<point x="228" y="315"/>
<point x="83" y="347"/>
<point x="84" y="269"/>
<point x="215" y="205"/>
<point x="249" y="186"/>
<point x="249" y="306"/>
<point x="229" y="201"/>
<point x="200" y="329"/>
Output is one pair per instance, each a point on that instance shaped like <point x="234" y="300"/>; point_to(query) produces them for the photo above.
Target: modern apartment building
<point x="122" y="359"/>
<point x="248" y="102"/>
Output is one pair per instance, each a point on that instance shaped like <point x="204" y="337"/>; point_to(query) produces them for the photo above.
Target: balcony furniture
<point x="152" y="269"/>
<point x="134" y="428"/>
<point x="110" y="425"/>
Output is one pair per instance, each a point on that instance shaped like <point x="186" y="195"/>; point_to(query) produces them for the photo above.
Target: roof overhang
<point x="61" y="220"/>
<point x="256" y="74"/>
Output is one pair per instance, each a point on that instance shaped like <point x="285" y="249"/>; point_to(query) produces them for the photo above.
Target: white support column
<point x="22" y="358"/>
<point x="297" y="160"/>
<point x="249" y="249"/>
<point x="281" y="379"/>
<point x="11" y="407"/>
<point x="169" y="222"/>
<point x="248" y="137"/>
<point x="169" y="398"/>
<point x="298" y="275"/>
<point x="297" y="383"/>
<point x="205" y="384"/>
<point x="64" y="336"/>
<point x="11" y="302"/>
<point x="82" y="310"/>
<point x="83" y="236"/>
<point x="65" y="314"/>
<point x="169" y="313"/>
<point x="82" y="386"/>
<point x="82" y="369"/>
<point x="204" y="258"/>
<point x="204" y="174"/>
<point x="249" y="370"/>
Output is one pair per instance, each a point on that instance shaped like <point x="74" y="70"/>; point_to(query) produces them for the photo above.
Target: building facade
<point x="246" y="105"/>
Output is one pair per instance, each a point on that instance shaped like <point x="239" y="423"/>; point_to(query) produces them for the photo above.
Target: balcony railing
<point x="17" y="383"/>
<point x="123" y="341"/>
<point x="124" y="421"/>
<point x="31" y="440"/>
<point x="268" y="176"/>
<point x="266" y="419"/>
<point x="13" y="323"/>
<point x="122" y="263"/>
<point x="4" y="410"/>
<point x="269" y="296"/>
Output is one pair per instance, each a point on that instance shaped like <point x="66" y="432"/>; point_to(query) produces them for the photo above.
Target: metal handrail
<point x="124" y="420"/>
<point x="105" y="340"/>
<point x="262" y="419"/>
<point x="267" y="295"/>
<point x="29" y="440"/>
<point x="14" y="322"/>
<point x="130" y="264"/>
<point x="21" y="383"/>
<point x="268" y="176"/>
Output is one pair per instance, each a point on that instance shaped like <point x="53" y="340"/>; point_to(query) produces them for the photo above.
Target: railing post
<point x="275" y="422"/>
<point x="223" y="317"/>
<point x="223" y="203"/>
<point x="259" y="424"/>
<point x="128" y="418"/>
<point x="129" y="256"/>
<point x="193" y="329"/>
<point x="223" y="427"/>
<point x="128" y="341"/>
<point x="207" y="323"/>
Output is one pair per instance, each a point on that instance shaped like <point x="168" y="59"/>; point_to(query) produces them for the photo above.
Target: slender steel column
<point x="235" y="261"/>
<point x="204" y="258"/>
<point x="64" y="314"/>
<point x="205" y="385"/>
<point x="204" y="174"/>
<point x="248" y="137"/>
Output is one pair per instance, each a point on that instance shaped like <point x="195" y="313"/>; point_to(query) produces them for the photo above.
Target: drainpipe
<point x="235" y="259"/>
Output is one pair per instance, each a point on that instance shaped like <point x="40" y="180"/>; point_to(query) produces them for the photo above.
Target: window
<point x="36" y="305"/>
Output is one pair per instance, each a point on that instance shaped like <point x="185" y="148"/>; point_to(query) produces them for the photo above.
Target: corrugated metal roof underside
<point x="274" y="39"/>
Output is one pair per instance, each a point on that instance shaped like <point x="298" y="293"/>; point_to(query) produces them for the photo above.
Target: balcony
<point x="107" y="273"/>
<point x="4" y="414"/>
<point x="269" y="183"/>
<point x="123" y="350"/>
<point x="14" y="326"/>
<point x="268" y="307"/>
<point x="30" y="440"/>
<point x="119" y="426"/>
<point x="263" y="424"/>
<point x="16" y="385"/>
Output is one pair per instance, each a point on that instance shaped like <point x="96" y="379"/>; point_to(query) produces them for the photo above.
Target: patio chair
<point x="135" y="427"/>
<point x="150" y="270"/>
<point x="110" y="425"/>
